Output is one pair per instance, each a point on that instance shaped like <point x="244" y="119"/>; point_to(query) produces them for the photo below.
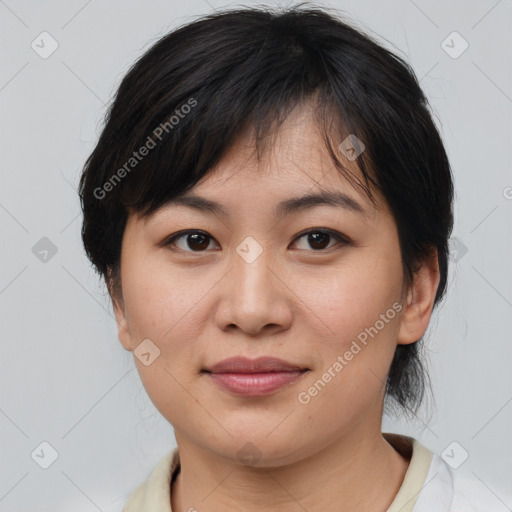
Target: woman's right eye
<point x="193" y="241"/>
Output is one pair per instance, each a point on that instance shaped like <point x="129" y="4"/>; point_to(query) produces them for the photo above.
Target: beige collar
<point x="155" y="493"/>
<point x="414" y="479"/>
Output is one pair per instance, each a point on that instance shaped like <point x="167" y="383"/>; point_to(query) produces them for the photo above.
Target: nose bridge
<point x="252" y="274"/>
<point x="254" y="297"/>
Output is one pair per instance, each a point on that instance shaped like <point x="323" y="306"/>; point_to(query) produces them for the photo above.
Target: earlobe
<point x="420" y="301"/>
<point x="123" y="331"/>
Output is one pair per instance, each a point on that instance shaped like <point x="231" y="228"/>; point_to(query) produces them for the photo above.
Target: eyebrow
<point x="286" y="207"/>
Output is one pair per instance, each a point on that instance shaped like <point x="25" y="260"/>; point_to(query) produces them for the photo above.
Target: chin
<point x="261" y="451"/>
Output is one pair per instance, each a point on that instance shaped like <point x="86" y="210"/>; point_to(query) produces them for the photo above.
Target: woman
<point x="270" y="205"/>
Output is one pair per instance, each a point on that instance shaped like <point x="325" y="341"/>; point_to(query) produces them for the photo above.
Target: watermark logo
<point x="146" y="352"/>
<point x="454" y="45"/>
<point x="44" y="455"/>
<point x="44" y="45"/>
<point x="454" y="455"/>
<point x="249" y="454"/>
<point x="352" y="147"/>
<point x="249" y="250"/>
<point x="457" y="249"/>
<point x="44" y="250"/>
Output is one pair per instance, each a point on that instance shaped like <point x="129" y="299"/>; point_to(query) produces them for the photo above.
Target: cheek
<point x="159" y="303"/>
<point x="162" y="306"/>
<point x="352" y="297"/>
<point x="360" y="312"/>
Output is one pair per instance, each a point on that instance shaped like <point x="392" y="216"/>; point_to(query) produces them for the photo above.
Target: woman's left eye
<point x="317" y="238"/>
<point x="198" y="241"/>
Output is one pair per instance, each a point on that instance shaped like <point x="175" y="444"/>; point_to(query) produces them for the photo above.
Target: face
<point x="319" y="286"/>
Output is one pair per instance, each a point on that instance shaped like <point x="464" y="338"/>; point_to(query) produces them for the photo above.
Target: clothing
<point x="429" y="485"/>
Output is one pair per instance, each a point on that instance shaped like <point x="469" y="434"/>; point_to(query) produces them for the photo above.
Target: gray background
<point x="65" y="378"/>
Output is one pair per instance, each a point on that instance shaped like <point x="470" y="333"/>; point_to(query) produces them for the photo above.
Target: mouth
<point x="254" y="377"/>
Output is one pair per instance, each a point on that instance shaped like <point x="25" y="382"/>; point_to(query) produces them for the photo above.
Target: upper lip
<point x="260" y="365"/>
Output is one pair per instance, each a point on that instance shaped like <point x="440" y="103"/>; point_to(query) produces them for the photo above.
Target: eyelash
<point x="341" y="239"/>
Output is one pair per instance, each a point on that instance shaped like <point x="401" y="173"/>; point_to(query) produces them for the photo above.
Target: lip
<point x="263" y="364"/>
<point x="254" y="377"/>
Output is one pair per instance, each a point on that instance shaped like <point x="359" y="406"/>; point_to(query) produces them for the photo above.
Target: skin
<point x="295" y="302"/>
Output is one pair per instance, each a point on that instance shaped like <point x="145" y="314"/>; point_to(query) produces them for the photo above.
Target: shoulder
<point x="474" y="495"/>
<point x="136" y="498"/>
<point x="452" y="490"/>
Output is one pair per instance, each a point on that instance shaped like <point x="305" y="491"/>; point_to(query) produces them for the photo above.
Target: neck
<point x="361" y="473"/>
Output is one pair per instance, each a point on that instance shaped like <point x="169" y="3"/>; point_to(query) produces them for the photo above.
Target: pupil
<point x="314" y="238"/>
<point x="194" y="238"/>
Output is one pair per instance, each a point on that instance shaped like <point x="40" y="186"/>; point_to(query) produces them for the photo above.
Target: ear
<point x="123" y="332"/>
<point x="420" y="301"/>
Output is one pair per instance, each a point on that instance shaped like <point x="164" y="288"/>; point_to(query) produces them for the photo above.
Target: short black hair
<point x="203" y="84"/>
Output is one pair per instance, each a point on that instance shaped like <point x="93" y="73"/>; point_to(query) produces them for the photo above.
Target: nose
<point x="255" y="297"/>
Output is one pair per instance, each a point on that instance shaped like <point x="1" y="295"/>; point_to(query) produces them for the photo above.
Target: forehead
<point x="290" y="170"/>
<point x="294" y="163"/>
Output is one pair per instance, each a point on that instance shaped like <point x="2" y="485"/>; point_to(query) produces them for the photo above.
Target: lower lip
<point x="254" y="384"/>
